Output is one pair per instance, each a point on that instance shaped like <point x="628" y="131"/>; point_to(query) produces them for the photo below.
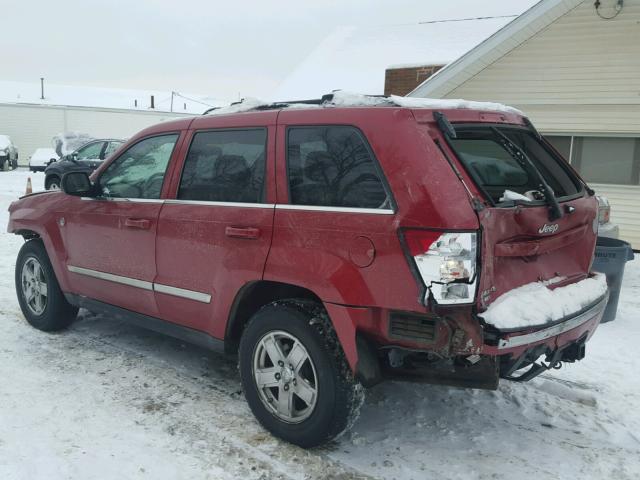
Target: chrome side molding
<point x="144" y="285"/>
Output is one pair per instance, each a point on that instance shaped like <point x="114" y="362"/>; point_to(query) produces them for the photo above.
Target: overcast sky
<point x="219" y="48"/>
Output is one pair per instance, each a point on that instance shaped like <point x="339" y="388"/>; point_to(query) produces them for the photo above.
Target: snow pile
<point x="4" y="141"/>
<point x="342" y="98"/>
<point x="510" y="195"/>
<point x="68" y="142"/>
<point x="535" y="304"/>
<point x="452" y="103"/>
<point x="245" y="105"/>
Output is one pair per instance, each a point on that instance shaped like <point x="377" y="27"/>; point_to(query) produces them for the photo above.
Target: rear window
<point x="495" y="170"/>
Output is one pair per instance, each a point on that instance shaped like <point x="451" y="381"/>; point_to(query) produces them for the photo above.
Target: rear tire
<point x="323" y="396"/>
<point x="42" y="302"/>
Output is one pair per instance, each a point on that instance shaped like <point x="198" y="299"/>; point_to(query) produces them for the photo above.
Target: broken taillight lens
<point x="446" y="263"/>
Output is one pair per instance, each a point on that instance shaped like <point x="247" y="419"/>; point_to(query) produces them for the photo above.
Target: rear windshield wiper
<point x="525" y="162"/>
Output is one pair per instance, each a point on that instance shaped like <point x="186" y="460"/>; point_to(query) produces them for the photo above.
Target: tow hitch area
<point x="473" y="371"/>
<point x="570" y="353"/>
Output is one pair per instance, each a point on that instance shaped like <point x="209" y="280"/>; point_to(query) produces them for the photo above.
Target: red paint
<point x="353" y="262"/>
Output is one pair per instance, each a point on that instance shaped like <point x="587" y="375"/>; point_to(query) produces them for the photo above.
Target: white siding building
<point x="577" y="76"/>
<point x="32" y="122"/>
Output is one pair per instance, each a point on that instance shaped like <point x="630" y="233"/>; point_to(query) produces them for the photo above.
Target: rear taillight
<point x="445" y="262"/>
<point x="604" y="209"/>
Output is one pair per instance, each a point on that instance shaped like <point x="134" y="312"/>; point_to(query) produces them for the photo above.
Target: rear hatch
<point x="537" y="219"/>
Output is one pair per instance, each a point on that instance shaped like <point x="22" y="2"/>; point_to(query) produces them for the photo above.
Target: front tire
<point x="295" y="376"/>
<point x="42" y="302"/>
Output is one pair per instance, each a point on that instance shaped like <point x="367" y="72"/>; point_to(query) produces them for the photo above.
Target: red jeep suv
<point x="330" y="244"/>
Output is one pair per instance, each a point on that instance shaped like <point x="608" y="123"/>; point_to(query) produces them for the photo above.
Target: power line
<point x="192" y="99"/>
<point x="466" y="19"/>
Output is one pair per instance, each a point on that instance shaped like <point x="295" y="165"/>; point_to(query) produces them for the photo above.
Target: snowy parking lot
<point x="107" y="400"/>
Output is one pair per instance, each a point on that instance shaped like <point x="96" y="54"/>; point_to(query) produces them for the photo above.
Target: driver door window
<point x="139" y="171"/>
<point x="90" y="152"/>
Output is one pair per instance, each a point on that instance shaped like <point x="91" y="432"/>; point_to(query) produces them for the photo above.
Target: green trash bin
<point x="610" y="257"/>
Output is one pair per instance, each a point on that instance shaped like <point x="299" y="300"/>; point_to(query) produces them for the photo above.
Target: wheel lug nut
<point x="286" y="387"/>
<point x="281" y="363"/>
<point x="277" y="376"/>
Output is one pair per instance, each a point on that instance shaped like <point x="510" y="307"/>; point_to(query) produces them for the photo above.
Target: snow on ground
<point x="106" y="400"/>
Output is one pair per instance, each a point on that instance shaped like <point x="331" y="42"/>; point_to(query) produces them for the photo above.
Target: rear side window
<point x="496" y="170"/>
<point x="225" y="166"/>
<point x="333" y="166"/>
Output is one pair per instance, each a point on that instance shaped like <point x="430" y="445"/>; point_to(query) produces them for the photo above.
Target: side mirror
<point x="78" y="184"/>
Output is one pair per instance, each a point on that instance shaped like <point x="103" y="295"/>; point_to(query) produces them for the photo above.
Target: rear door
<point x="214" y="235"/>
<point x="522" y="242"/>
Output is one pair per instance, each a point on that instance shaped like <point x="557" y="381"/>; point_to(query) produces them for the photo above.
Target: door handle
<point x="141" y="223"/>
<point x="244" y="232"/>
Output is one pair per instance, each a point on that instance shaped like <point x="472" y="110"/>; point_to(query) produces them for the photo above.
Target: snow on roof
<point x="342" y="98"/>
<point x="356" y="58"/>
<point x="98" y="97"/>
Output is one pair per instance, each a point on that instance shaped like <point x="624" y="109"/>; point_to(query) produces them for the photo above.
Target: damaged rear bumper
<point x="555" y="335"/>
<point x="563" y="341"/>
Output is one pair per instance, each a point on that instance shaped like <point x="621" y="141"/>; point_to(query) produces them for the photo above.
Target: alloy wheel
<point x="285" y="376"/>
<point x="34" y="286"/>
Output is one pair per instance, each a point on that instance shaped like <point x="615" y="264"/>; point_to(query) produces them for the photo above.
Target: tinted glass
<point x="333" y="166"/>
<point x="225" y="166"/>
<point x="139" y="171"/>
<point x="90" y="152"/>
<point x="561" y="144"/>
<point x="496" y="170"/>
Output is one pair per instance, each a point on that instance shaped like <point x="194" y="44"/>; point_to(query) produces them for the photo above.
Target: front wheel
<point x="41" y="300"/>
<point x="295" y="375"/>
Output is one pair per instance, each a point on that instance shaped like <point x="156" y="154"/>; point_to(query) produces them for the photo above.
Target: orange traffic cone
<point x="29" y="187"/>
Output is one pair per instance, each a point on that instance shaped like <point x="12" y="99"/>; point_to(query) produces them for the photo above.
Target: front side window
<point x="139" y="171"/>
<point x="90" y="152"/>
<point x="111" y="147"/>
<point x="333" y="166"/>
<point x="225" y="166"/>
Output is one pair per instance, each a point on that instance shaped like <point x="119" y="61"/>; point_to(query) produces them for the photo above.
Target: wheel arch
<point x="251" y="298"/>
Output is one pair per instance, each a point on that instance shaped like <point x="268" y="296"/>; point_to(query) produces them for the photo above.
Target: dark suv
<point x="85" y="159"/>
<point x="330" y="246"/>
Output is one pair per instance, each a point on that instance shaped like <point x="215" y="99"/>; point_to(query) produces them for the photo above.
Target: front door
<point x="110" y="240"/>
<point x="214" y="237"/>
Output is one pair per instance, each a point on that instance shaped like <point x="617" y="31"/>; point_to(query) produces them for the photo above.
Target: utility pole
<point x="172" y="94"/>
<point x="41" y="88"/>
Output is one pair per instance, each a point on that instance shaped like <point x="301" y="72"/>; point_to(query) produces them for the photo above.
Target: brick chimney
<point x="401" y="80"/>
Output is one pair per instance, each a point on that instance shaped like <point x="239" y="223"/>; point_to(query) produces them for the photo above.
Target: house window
<point x="607" y="159"/>
<point x="612" y="160"/>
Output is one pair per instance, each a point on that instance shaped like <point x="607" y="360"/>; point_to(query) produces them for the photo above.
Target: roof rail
<point x="328" y="98"/>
